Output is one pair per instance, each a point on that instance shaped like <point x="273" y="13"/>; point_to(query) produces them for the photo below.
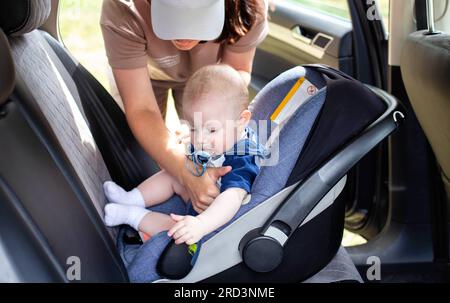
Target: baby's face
<point x="215" y="126"/>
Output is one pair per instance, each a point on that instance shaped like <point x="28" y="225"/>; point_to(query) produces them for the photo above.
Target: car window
<point x="384" y="9"/>
<point x="80" y="32"/>
<point x="340" y="9"/>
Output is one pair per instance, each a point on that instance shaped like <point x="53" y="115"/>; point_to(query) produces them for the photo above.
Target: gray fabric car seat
<point x="59" y="101"/>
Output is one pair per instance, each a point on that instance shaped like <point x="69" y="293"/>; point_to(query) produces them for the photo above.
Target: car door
<point x="300" y="33"/>
<point x="341" y="34"/>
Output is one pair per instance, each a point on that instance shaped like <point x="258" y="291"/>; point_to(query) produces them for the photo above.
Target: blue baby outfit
<point x="242" y="159"/>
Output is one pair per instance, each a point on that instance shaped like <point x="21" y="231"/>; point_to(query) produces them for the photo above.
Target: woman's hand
<point x="188" y="229"/>
<point x="203" y="190"/>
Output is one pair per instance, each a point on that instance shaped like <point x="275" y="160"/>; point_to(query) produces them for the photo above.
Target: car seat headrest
<point x="19" y="17"/>
<point x="7" y="73"/>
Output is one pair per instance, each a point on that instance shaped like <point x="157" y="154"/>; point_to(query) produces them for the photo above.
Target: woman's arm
<point x="191" y="229"/>
<point x="145" y="120"/>
<point x="242" y="62"/>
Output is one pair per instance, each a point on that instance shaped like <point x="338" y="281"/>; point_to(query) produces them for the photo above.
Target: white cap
<point x="188" y="19"/>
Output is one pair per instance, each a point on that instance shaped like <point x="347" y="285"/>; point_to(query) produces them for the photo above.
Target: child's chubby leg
<point x="139" y="218"/>
<point x="160" y="187"/>
<point x="153" y="223"/>
<point x="156" y="189"/>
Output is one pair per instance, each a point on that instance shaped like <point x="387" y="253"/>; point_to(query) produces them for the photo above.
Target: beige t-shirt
<point x="131" y="43"/>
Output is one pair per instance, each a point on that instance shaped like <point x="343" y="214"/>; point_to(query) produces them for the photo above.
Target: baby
<point x="215" y="104"/>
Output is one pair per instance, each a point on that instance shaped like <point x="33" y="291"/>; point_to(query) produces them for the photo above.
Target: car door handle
<point x="297" y="33"/>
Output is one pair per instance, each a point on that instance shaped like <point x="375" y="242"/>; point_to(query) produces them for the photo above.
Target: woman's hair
<point x="240" y="17"/>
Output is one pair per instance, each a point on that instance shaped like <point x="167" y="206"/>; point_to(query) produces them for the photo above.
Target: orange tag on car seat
<point x="300" y="92"/>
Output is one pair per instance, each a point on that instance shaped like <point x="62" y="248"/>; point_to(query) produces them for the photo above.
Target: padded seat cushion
<point x="18" y="17"/>
<point x="58" y="99"/>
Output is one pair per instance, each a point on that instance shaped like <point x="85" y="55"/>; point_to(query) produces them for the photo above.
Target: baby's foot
<point x="117" y="194"/>
<point x="116" y="214"/>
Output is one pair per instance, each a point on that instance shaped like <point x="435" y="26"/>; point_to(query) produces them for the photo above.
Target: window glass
<point x="339" y="8"/>
<point x="80" y="31"/>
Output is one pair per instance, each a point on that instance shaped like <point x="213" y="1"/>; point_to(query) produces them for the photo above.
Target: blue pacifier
<point x="199" y="158"/>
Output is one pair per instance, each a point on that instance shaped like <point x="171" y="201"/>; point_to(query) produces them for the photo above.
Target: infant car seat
<point x="320" y="123"/>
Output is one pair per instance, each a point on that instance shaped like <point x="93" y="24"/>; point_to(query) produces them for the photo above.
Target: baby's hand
<point x="188" y="229"/>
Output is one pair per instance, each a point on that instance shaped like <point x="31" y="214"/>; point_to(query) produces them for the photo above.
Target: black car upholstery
<point x="6" y="68"/>
<point x="426" y="72"/>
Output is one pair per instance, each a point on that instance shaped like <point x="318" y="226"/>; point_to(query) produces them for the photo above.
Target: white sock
<point x="117" y="194"/>
<point x="116" y="214"/>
